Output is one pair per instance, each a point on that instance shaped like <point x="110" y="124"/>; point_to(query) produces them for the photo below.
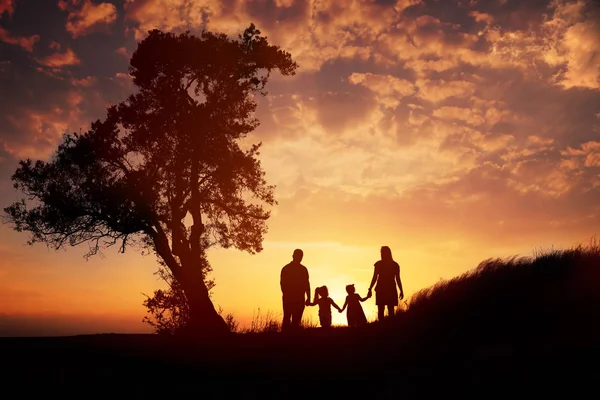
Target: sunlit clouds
<point x="449" y="131"/>
<point x="86" y="16"/>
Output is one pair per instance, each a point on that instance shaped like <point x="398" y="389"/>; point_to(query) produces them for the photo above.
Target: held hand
<point x="401" y="295"/>
<point x="307" y="303"/>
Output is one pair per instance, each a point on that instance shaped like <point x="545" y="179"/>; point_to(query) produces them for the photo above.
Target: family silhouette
<point x="295" y="288"/>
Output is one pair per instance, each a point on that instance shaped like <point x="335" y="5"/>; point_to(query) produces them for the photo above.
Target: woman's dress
<point x="386" y="293"/>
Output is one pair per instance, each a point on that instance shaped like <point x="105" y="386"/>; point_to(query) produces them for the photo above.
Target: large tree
<point x="166" y="168"/>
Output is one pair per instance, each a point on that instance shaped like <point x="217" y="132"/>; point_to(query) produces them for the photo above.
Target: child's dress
<point x="355" y="314"/>
<point x="324" y="304"/>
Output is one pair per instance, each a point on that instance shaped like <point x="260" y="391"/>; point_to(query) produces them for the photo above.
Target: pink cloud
<point x="122" y="51"/>
<point x="482" y="17"/>
<point x="64" y="4"/>
<point x="84" y="82"/>
<point x="60" y="59"/>
<point x="54" y="45"/>
<point x="40" y="131"/>
<point x="7" y="6"/>
<point x="90" y="16"/>
<point x="26" y="42"/>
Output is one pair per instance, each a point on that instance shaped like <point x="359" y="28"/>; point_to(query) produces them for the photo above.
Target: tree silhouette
<point x="168" y="310"/>
<point x="166" y="168"/>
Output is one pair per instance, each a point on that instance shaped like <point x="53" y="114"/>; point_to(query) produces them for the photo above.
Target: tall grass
<point x="263" y="323"/>
<point x="268" y="322"/>
<point x="555" y="292"/>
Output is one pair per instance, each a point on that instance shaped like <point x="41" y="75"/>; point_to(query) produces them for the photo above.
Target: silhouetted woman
<point x="387" y="275"/>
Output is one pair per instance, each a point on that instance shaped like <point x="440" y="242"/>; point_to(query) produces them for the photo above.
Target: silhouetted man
<point x="294" y="285"/>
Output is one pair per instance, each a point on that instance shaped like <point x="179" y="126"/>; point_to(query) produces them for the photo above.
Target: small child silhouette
<point x="355" y="314"/>
<point x="325" y="302"/>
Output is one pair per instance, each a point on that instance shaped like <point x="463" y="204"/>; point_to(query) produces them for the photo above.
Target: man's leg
<point x="297" y="314"/>
<point x="287" y="315"/>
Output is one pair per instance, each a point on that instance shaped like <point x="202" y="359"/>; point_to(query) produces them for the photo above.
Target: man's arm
<point x="307" y="288"/>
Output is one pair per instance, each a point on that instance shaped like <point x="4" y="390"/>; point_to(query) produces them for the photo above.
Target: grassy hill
<point x="511" y="327"/>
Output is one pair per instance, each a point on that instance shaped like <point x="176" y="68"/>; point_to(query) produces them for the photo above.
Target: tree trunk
<point x="204" y="319"/>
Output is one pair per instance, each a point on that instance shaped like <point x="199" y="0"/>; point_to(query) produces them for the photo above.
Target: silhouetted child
<point x="324" y="302"/>
<point x="355" y="314"/>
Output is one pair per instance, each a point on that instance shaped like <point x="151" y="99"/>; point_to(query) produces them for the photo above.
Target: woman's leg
<point x="380" y="312"/>
<point x="390" y="311"/>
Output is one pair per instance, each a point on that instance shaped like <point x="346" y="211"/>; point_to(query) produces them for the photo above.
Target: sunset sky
<point x="451" y="131"/>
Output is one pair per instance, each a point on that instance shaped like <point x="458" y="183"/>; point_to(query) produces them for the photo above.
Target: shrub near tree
<point x="165" y="169"/>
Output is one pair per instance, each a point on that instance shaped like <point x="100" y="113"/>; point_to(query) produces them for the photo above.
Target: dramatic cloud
<point x="86" y="16"/>
<point x="25" y="42"/>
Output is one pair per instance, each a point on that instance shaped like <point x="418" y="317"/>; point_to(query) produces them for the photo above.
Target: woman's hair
<point x="386" y="253"/>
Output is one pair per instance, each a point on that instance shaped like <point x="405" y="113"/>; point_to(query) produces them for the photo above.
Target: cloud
<point x="7" y="6"/>
<point x="86" y="17"/>
<point x="41" y="130"/>
<point x="587" y="155"/>
<point x="123" y="51"/>
<point x="84" y="82"/>
<point x="467" y="115"/>
<point x="438" y="90"/>
<point x="60" y="59"/>
<point x="567" y="41"/>
<point x="482" y="17"/>
<point x="26" y="42"/>
<point x="388" y="89"/>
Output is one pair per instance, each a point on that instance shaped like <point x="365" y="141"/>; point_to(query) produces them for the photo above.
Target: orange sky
<point x="450" y="131"/>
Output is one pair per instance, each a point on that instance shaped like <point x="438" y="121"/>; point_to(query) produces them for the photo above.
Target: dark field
<point x="352" y="364"/>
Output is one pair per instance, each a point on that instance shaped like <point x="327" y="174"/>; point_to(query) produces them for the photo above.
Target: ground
<point x="311" y="364"/>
